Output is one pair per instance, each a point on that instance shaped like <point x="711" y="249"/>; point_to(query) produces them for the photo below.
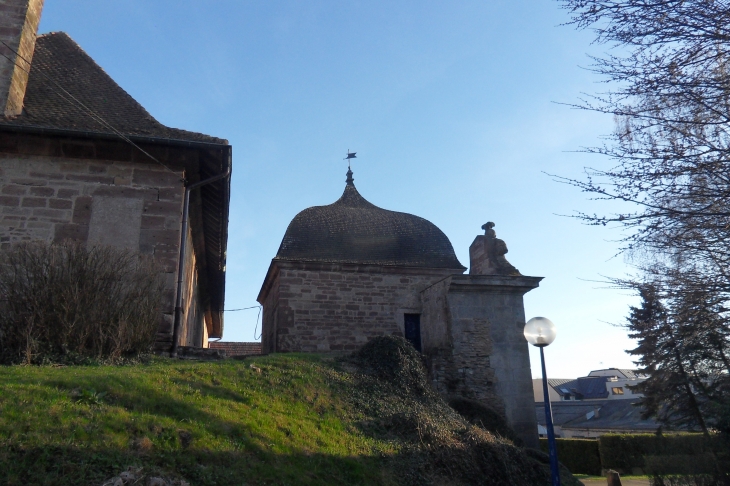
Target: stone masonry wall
<point x="340" y="307"/>
<point x="269" y="316"/>
<point x="482" y="354"/>
<point x="458" y="347"/>
<point x="20" y="19"/>
<point x="58" y="198"/>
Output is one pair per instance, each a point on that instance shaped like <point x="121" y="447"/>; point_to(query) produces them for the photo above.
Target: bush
<point x="680" y="464"/>
<point x="485" y="417"/>
<point x="628" y="453"/>
<point x="64" y="301"/>
<point x="580" y="456"/>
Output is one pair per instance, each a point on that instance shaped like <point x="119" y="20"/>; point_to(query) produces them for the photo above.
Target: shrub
<point x="627" y="453"/>
<point x="485" y="417"/>
<point x="580" y="456"/>
<point x="61" y="301"/>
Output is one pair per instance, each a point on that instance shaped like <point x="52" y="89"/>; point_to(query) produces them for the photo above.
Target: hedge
<point x="580" y="456"/>
<point x="661" y="454"/>
<point x="638" y="454"/>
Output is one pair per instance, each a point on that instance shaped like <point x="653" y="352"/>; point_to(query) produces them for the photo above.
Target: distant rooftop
<point x="601" y="415"/>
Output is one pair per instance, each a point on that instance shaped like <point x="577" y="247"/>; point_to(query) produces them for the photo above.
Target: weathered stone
<point x="83" y="209"/>
<point x="334" y="286"/>
<point x="487" y="255"/>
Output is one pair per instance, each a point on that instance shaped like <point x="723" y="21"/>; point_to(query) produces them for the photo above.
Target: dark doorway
<point x="412" y="325"/>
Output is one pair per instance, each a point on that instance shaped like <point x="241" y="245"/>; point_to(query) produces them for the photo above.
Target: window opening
<point x="412" y="328"/>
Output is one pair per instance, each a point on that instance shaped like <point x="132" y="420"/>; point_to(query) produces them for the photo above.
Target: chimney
<point x="19" y="21"/>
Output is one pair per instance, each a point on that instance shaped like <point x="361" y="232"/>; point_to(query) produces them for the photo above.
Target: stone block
<point x="24" y="181"/>
<point x="67" y="193"/>
<point x="124" y="192"/>
<point x="57" y="215"/>
<point x="14" y="190"/>
<point x="115" y="221"/>
<point x="82" y="210"/>
<point x="44" y="191"/>
<point x="71" y="231"/>
<point x="34" y="202"/>
<point x="10" y="201"/>
<point x="163" y="208"/>
<point x="49" y="175"/>
<point x="97" y="169"/>
<point x="98" y="179"/>
<point x="159" y="237"/>
<point x="60" y="203"/>
<point x="156" y="178"/>
<point x="153" y="222"/>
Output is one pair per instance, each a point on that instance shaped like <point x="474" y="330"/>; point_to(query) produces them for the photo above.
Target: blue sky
<point x="452" y="108"/>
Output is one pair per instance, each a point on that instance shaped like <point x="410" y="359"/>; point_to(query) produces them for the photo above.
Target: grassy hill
<point x="294" y="419"/>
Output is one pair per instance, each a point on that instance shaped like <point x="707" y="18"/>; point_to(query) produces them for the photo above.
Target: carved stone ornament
<point x="487" y="255"/>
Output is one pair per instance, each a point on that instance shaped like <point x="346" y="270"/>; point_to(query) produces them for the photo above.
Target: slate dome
<point x="352" y="230"/>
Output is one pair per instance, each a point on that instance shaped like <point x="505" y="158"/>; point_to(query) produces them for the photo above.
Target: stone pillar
<point x="19" y="21"/>
<point x="472" y="334"/>
<point x="471" y="330"/>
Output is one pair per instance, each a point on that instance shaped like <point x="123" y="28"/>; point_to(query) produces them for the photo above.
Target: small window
<point x="617" y="390"/>
<point x="412" y="325"/>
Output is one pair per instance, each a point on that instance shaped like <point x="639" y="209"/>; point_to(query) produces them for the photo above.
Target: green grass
<point x="269" y="420"/>
<point x="292" y="419"/>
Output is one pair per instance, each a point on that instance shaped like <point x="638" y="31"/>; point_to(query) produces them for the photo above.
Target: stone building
<point x="81" y="160"/>
<point x="350" y="271"/>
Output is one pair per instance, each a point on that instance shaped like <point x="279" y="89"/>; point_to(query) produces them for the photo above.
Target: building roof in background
<point x="618" y="372"/>
<point x="611" y="415"/>
<point x="60" y="71"/>
<point x="584" y="388"/>
<point x="352" y="230"/>
<point x="556" y="382"/>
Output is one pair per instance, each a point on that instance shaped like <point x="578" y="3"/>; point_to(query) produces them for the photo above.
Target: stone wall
<point x="472" y="329"/>
<point x="128" y="203"/>
<point x="458" y="346"/>
<point x="338" y="307"/>
<point x="20" y="19"/>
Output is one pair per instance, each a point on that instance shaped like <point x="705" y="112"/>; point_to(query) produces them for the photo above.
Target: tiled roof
<point x="352" y="230"/>
<point x="585" y="388"/>
<point x="236" y="349"/>
<point x="612" y="415"/>
<point x="618" y="372"/>
<point x="60" y="70"/>
<point x="555" y="382"/>
<point x="631" y="374"/>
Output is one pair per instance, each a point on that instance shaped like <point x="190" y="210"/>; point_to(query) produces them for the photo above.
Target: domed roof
<point x="352" y="230"/>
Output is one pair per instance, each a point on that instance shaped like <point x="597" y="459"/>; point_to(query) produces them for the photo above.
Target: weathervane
<point x="350" y="156"/>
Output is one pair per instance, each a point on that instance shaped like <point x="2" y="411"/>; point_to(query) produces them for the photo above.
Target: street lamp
<point x="540" y="332"/>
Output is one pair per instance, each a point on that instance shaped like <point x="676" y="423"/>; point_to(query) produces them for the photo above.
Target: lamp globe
<point x="540" y="331"/>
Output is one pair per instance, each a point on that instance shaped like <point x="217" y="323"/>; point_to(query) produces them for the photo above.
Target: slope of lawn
<point x="277" y="420"/>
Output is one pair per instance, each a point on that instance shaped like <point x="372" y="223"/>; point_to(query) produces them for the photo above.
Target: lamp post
<point x="540" y="332"/>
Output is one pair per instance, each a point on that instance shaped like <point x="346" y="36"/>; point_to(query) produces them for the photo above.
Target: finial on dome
<point x="350" y="155"/>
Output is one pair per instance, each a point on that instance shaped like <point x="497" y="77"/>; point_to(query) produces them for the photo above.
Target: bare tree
<point x="667" y="72"/>
<point x="670" y="96"/>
